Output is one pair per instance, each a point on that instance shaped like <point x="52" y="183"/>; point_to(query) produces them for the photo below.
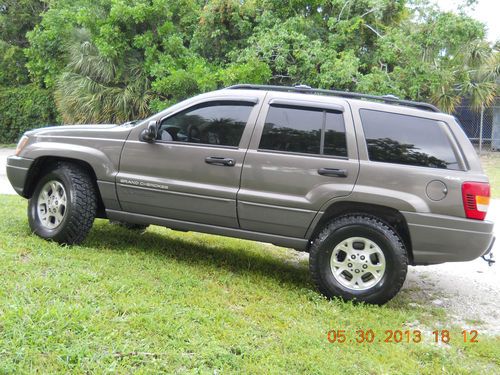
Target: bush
<point x="23" y="108"/>
<point x="13" y="71"/>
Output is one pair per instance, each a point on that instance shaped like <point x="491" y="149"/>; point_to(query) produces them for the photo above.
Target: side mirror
<point x="149" y="134"/>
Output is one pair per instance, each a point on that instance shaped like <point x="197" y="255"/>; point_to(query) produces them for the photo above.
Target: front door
<point x="302" y="154"/>
<point x="192" y="171"/>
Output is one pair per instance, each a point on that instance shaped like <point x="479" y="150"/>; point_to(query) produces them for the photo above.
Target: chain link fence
<point x="482" y="127"/>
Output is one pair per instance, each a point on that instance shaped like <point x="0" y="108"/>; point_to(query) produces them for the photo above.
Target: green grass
<point x="491" y="165"/>
<point x="8" y="145"/>
<point x="171" y="302"/>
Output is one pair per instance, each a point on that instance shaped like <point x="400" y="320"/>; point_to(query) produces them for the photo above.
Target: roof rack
<point x="390" y="99"/>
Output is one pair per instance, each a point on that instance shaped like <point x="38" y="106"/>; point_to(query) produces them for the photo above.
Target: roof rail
<point x="390" y="99"/>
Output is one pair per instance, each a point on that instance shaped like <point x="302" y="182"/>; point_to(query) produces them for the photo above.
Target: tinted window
<point x="215" y="123"/>
<point x="335" y="142"/>
<point x="401" y="139"/>
<point x="300" y="130"/>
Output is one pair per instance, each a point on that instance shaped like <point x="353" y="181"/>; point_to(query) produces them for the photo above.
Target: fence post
<point x="481" y="130"/>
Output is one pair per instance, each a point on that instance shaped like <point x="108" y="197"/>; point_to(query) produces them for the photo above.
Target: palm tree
<point x="478" y="81"/>
<point x="96" y="89"/>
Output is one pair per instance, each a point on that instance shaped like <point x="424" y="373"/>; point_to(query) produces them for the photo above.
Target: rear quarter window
<point x="402" y="139"/>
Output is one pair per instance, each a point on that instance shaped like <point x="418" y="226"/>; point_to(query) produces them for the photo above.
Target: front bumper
<point x="17" y="172"/>
<point x="439" y="238"/>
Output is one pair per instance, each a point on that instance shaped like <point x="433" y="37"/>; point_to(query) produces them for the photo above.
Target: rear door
<point x="302" y="154"/>
<point x="192" y="172"/>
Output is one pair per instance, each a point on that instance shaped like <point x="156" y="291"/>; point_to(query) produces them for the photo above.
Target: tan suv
<point x="365" y="184"/>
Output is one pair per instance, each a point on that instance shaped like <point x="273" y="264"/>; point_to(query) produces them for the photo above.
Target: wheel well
<point x="44" y="164"/>
<point x="389" y="215"/>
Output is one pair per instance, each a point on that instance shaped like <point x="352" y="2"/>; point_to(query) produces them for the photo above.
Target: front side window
<point x="306" y="131"/>
<point x="214" y="123"/>
<point x="402" y="139"/>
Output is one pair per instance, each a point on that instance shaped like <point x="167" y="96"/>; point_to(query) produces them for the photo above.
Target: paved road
<point x="468" y="291"/>
<point x="5" y="187"/>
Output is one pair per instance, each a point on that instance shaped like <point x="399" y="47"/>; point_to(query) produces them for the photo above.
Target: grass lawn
<point x="491" y="165"/>
<point x="171" y="302"/>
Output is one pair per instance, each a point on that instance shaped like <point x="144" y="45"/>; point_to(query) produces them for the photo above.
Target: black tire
<point x="372" y="229"/>
<point x="80" y="208"/>
<point x="131" y="226"/>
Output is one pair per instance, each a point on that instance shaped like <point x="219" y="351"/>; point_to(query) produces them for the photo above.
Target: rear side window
<point x="305" y="131"/>
<point x="401" y="139"/>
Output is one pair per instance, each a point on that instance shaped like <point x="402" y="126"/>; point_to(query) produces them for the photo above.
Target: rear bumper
<point x="17" y="172"/>
<point x="439" y="238"/>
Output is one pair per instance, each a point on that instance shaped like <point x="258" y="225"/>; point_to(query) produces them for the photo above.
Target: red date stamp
<point x="415" y="336"/>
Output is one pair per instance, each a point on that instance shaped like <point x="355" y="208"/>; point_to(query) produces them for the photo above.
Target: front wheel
<point x="63" y="205"/>
<point x="358" y="257"/>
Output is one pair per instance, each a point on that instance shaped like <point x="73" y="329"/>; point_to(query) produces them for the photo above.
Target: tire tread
<point x="356" y="219"/>
<point x="83" y="199"/>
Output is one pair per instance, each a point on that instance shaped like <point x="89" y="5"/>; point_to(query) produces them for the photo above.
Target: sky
<point x="486" y="11"/>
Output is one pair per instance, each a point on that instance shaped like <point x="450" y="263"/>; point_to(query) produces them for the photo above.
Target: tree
<point x="409" y="48"/>
<point x="98" y="89"/>
<point x="17" y="17"/>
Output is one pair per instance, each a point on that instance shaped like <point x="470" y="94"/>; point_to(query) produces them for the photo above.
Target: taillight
<point x="476" y="197"/>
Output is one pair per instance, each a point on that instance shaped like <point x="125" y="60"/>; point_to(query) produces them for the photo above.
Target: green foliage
<point x="24" y="108"/>
<point x="100" y="89"/>
<point x="17" y="17"/>
<point x="156" y="53"/>
<point x="49" y="39"/>
<point x="224" y="26"/>
<point x="12" y="65"/>
<point x="253" y="71"/>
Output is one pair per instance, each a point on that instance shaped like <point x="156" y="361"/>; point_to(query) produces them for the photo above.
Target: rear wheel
<point x="63" y="205"/>
<point x="358" y="257"/>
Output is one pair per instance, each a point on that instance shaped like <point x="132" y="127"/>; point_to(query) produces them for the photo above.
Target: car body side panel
<point x="281" y="192"/>
<point x="107" y="190"/>
<point x="299" y="244"/>
<point x="98" y="145"/>
<point x="171" y="179"/>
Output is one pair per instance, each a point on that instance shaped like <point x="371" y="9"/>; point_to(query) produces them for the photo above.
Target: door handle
<point x="217" y="160"/>
<point x="332" y="172"/>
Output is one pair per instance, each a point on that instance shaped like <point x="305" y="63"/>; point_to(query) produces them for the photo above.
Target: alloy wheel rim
<point x="52" y="204"/>
<point x="357" y="263"/>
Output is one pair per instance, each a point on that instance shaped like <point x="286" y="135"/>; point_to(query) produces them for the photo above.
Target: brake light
<point x="476" y="197"/>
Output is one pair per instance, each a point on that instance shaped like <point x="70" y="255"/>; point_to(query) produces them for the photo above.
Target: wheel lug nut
<point x="349" y="264"/>
<point x="365" y="266"/>
<point x="362" y="256"/>
<point x="353" y="256"/>
<point x="357" y="271"/>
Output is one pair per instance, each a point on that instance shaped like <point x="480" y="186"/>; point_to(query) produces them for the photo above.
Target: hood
<point x="105" y="131"/>
<point x="69" y="128"/>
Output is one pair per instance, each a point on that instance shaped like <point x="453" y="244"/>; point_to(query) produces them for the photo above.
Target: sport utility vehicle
<point x="366" y="184"/>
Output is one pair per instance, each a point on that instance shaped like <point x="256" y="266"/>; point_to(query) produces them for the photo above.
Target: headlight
<point x="21" y="144"/>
